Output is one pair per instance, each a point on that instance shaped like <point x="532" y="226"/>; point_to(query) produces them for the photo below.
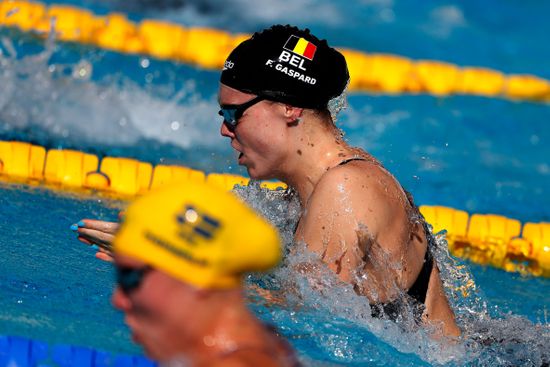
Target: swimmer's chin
<point x="255" y="175"/>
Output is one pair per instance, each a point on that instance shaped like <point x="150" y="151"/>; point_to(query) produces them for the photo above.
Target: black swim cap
<point x="289" y="65"/>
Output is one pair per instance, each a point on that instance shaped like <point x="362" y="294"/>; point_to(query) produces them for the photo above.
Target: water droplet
<point x="175" y="125"/>
<point x="144" y="63"/>
<point x="83" y="70"/>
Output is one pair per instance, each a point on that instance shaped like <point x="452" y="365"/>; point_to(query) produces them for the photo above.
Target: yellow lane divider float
<point x="483" y="238"/>
<point x="208" y="48"/>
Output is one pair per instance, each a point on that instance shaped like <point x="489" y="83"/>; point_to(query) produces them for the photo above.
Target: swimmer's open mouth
<point x="239" y="153"/>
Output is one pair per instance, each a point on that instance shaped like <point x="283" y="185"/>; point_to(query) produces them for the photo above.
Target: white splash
<point x="65" y="102"/>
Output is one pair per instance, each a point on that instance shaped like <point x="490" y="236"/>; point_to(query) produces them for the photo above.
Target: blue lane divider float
<point x="16" y="351"/>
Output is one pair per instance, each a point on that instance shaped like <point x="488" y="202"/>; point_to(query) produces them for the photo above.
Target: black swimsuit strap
<point x="351" y="159"/>
<point x="419" y="289"/>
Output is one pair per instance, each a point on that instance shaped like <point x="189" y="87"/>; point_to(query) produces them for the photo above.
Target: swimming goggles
<point x="129" y="279"/>
<point x="231" y="113"/>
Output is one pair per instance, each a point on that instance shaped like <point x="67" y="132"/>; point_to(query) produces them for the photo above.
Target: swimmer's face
<point x="160" y="311"/>
<point x="259" y="136"/>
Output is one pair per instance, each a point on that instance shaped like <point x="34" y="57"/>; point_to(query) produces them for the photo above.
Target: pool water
<point x="52" y="288"/>
<point x="471" y="153"/>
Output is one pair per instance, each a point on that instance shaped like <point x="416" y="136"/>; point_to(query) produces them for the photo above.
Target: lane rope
<point x="19" y="351"/>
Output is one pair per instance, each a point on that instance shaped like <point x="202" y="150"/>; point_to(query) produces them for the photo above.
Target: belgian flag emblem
<point x="300" y="46"/>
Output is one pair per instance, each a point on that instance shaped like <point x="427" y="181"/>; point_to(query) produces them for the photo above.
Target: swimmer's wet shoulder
<point x="353" y="207"/>
<point x="362" y="223"/>
<point x="359" y="191"/>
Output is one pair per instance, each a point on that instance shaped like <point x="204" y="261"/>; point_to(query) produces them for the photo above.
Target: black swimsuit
<point x="419" y="289"/>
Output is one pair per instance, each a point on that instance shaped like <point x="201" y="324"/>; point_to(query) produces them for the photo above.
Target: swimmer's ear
<point x="292" y="114"/>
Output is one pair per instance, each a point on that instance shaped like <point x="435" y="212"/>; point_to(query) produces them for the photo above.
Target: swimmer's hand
<point x="98" y="233"/>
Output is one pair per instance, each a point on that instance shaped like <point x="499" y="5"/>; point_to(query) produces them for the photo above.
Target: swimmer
<point x="180" y="256"/>
<point x="276" y="92"/>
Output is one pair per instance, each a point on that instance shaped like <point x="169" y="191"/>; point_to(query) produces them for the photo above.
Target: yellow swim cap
<point x="199" y="234"/>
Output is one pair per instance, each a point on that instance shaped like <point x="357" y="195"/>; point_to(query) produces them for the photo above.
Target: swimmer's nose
<point x="226" y="132"/>
<point x="120" y="300"/>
